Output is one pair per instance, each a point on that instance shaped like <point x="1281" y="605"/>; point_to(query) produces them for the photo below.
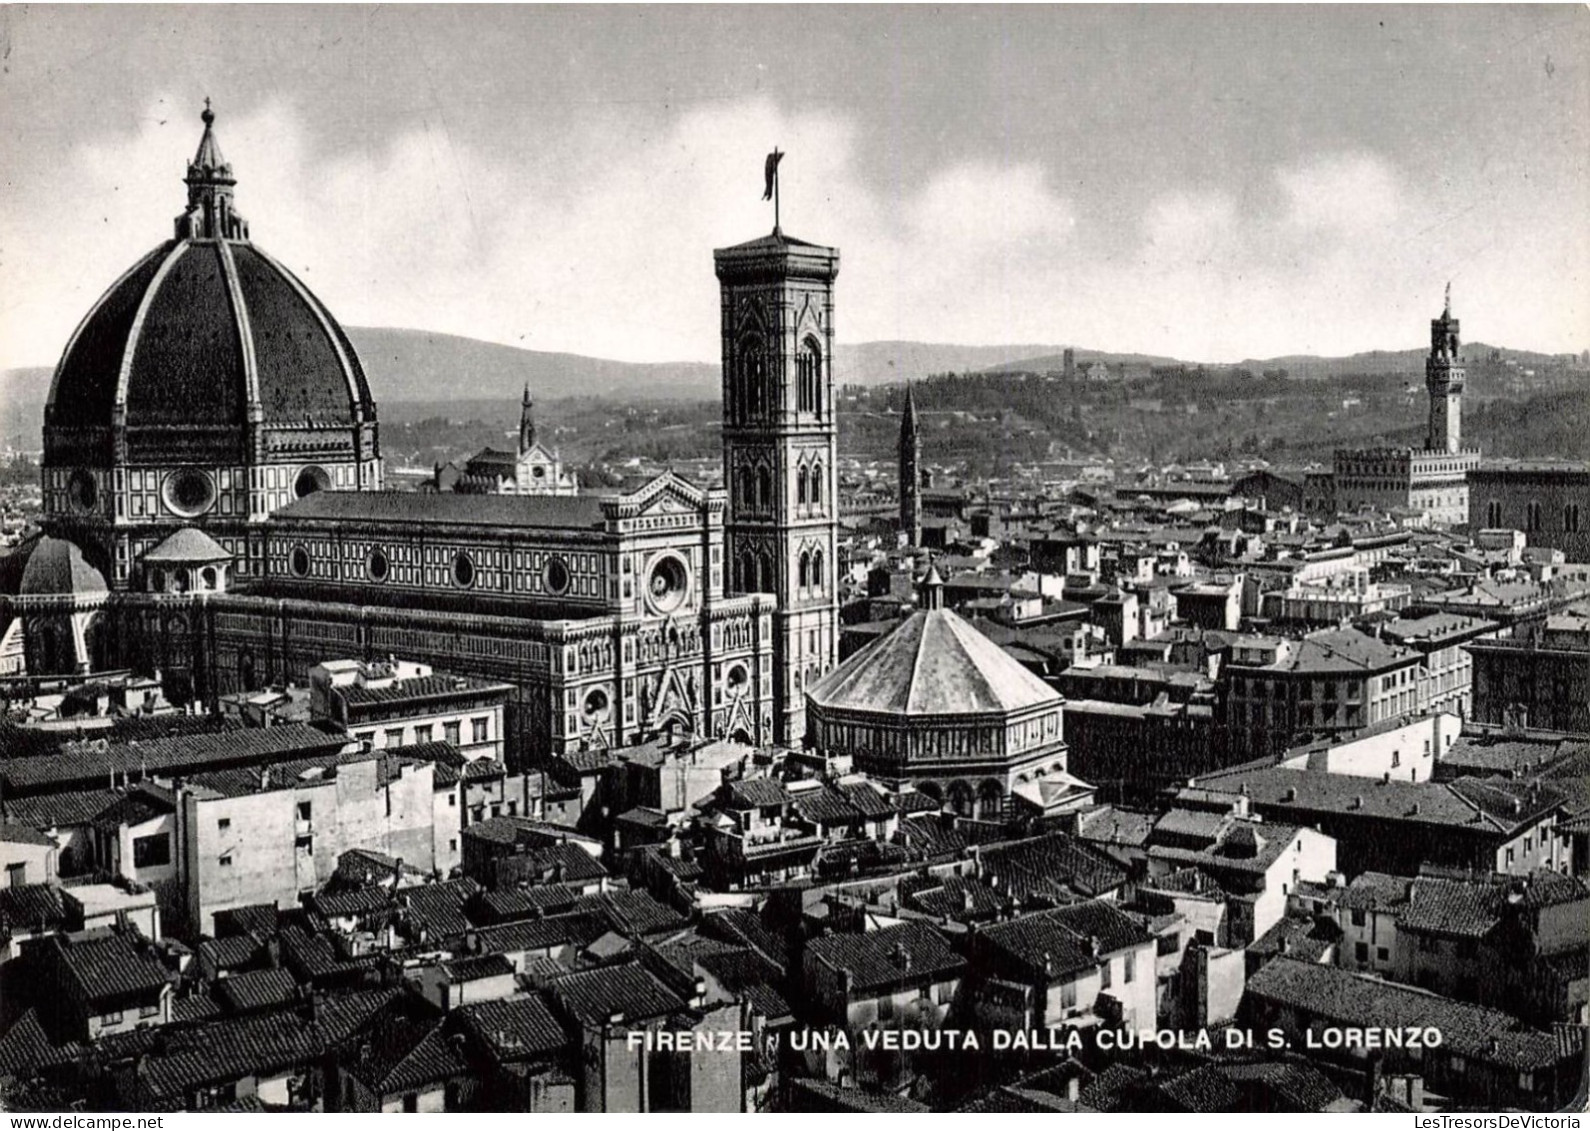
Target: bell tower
<point x="910" y="472"/>
<point x="1443" y="378"/>
<point x="779" y="448"/>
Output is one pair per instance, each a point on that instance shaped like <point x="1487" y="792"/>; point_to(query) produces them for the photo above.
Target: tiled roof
<point x="1467" y="802"/>
<point x="934" y="663"/>
<point x="554" y="863"/>
<point x="826" y="806"/>
<point x="633" y="911"/>
<point x="475" y="967"/>
<point x="11" y="833"/>
<point x="742" y="926"/>
<point x="258" y="989"/>
<point x="26" y="1046"/>
<point x="58" y="810"/>
<point x="1307" y="939"/>
<point x="866" y="798"/>
<point x="521" y="1029"/>
<point x="755" y="793"/>
<point x="351" y="901"/>
<point x="88" y="762"/>
<point x="432" y="687"/>
<point x="30" y="908"/>
<point x="1341" y="651"/>
<point x="1053" y="866"/>
<point x="1054" y="944"/>
<point x="446" y="508"/>
<point x="1376" y="891"/>
<point x="543" y="934"/>
<point x="108" y="964"/>
<point x="628" y="990"/>
<point x="821" y="1096"/>
<point x="134" y="808"/>
<point x="229" y="1049"/>
<point x="1473" y="908"/>
<point x="231" y="952"/>
<point x="439" y="907"/>
<point x="902" y="955"/>
<point x="1473" y="1031"/>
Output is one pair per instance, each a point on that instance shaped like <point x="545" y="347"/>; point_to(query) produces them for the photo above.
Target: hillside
<point x="410" y="366"/>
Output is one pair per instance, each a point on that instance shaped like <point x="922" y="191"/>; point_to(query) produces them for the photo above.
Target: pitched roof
<point x="1474" y="1031"/>
<point x="519" y="1029"/>
<point x="628" y="991"/>
<point x="1053" y="866"/>
<point x="447" y="508"/>
<point x="1056" y="943"/>
<point x="933" y="663"/>
<point x="107" y="964"/>
<point x="902" y="955"/>
<point x="1467" y="802"/>
<point x="257" y="989"/>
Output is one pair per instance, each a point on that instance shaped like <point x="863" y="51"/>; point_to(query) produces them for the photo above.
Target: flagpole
<point x="775" y="200"/>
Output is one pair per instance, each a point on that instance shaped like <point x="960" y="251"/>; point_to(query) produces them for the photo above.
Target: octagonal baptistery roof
<point x="204" y="349"/>
<point x="931" y="665"/>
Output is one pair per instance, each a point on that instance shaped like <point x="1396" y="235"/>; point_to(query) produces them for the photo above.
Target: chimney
<point x="264" y="778"/>
<point x="1093" y="945"/>
<point x="1358" y="801"/>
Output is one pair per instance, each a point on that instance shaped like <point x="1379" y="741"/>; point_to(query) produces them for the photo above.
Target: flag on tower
<point x="771" y="173"/>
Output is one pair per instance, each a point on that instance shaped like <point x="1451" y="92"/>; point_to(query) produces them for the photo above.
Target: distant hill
<point x="413" y="365"/>
<point x="884" y="363"/>
<point x="408" y="366"/>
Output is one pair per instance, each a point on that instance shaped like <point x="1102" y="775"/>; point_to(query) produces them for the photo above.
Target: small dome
<point x="56" y="566"/>
<point x="188" y="546"/>
<point x="933" y="664"/>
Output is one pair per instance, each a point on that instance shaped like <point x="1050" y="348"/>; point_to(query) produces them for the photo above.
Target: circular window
<point x="310" y="480"/>
<point x="737" y="677"/>
<point x="556" y="576"/>
<point x="595" y="702"/>
<point x="463" y="570"/>
<point x="298" y="561"/>
<point x="189" y="492"/>
<point x="668" y="585"/>
<point x="377" y="565"/>
<point x="538" y="471"/>
<point x="82" y="490"/>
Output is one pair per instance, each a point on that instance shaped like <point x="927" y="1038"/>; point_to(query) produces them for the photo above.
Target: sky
<point x="1213" y="184"/>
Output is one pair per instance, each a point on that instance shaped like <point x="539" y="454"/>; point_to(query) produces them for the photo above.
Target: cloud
<point x="596" y="238"/>
<point x="1345" y="192"/>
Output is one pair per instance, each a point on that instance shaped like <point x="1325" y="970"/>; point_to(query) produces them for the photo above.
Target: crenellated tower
<point x="779" y="449"/>
<point x="1443" y="378"/>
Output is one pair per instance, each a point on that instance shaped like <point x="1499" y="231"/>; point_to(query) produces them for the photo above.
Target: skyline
<point x="1228" y="184"/>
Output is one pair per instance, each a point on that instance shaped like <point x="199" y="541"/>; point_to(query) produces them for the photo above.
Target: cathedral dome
<point x="202" y="345"/>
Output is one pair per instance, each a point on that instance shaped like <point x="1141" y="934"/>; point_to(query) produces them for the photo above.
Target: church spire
<point x="527" y="421"/>
<point x="210" y="214"/>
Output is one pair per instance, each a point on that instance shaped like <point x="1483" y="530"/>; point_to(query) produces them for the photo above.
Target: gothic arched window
<point x="817" y="569"/>
<point x="764" y="573"/>
<point x="752" y="379"/>
<point x="764" y="487"/>
<point x="801" y="492"/>
<point x="805" y="570"/>
<point x="809" y="371"/>
<point x="817" y="483"/>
